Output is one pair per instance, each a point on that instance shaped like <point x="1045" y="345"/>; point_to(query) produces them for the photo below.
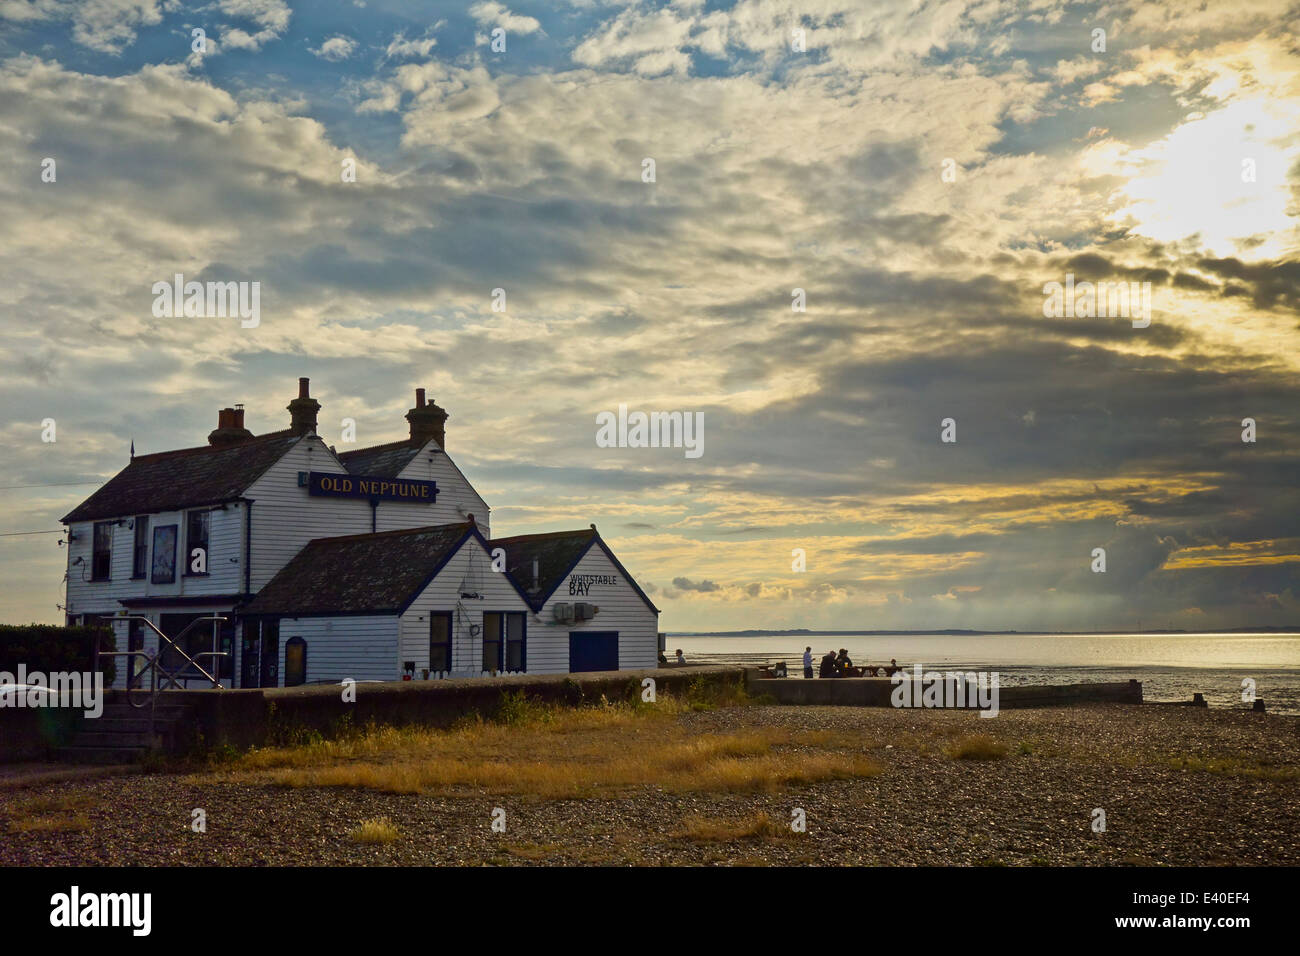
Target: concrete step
<point x="100" y="755"/>
<point x="163" y="713"/>
<point x="95" y="738"/>
<point x="120" y="725"/>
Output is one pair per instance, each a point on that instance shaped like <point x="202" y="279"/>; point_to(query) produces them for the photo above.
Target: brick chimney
<point x="427" y="421"/>
<point x="302" y="410"/>
<point x="230" y="428"/>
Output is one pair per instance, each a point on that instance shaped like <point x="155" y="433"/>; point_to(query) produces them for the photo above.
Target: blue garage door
<point x="593" y="651"/>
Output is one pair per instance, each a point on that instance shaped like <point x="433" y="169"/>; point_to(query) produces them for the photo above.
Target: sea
<point x="1171" y="667"/>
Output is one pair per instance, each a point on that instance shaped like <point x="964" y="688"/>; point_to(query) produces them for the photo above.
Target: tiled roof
<point x="381" y="461"/>
<point x="360" y="572"/>
<point x="556" y="553"/>
<point x="188" y="478"/>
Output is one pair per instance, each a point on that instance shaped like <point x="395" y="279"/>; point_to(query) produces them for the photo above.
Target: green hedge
<point x="49" y="647"/>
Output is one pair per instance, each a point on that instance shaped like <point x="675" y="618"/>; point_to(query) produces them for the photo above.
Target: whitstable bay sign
<point x="361" y="486"/>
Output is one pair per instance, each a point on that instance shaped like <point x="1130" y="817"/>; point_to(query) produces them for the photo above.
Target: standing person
<point x="807" y="663"/>
<point x="680" y="658"/>
<point x="842" y="663"/>
<point x="828" y="665"/>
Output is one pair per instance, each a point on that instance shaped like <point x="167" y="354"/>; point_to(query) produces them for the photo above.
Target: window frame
<point x="522" y="641"/>
<point x="503" y="643"/>
<point x="449" y="618"/>
<point x="154" y="555"/>
<point x="206" y="515"/>
<point x="499" y="642"/>
<point x="140" y="549"/>
<point x="96" y="553"/>
<point x="296" y="641"/>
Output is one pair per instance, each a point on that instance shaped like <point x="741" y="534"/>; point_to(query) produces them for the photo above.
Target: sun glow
<point x="1196" y="182"/>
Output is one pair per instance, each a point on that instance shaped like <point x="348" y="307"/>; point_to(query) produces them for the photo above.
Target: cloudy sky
<point x="1170" y="156"/>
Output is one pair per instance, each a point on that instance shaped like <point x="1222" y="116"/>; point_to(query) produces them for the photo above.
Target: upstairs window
<point x="101" y="560"/>
<point x="140" y="558"/>
<point x="196" y="542"/>
<point x="164" y="555"/>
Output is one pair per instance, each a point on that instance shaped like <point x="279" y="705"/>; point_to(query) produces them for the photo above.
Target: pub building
<point x="371" y="564"/>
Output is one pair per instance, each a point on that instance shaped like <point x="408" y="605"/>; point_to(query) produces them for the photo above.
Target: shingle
<point x="188" y="478"/>
<point x="556" y="553"/>
<point x="360" y="572"/>
<point x="381" y="461"/>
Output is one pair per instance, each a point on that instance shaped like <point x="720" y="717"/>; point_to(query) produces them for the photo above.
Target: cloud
<point x="399" y="47"/>
<point x="775" y="171"/>
<point x="686" y="584"/>
<point x="335" y="49"/>
<point x="270" y="16"/>
<point x="491" y="14"/>
<point x="108" y="26"/>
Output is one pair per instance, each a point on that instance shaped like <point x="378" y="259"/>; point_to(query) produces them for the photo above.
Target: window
<point x="491" y="642"/>
<point x="164" y="554"/>
<point x="197" y="644"/>
<point x="440" y="641"/>
<point x="295" y="662"/>
<point x="503" y="641"/>
<point x="196" y="537"/>
<point x="140" y="560"/>
<point x="514" y="642"/>
<point x="101" y="560"/>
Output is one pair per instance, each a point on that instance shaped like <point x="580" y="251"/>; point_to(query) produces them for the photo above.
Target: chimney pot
<point x="230" y="428"/>
<point x="302" y="411"/>
<point x="427" y="421"/>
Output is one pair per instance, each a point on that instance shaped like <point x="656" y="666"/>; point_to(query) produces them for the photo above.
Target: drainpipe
<point x="248" y="546"/>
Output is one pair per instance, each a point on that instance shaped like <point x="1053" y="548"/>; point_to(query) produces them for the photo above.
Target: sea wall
<point x="243" y="718"/>
<point x="878" y="692"/>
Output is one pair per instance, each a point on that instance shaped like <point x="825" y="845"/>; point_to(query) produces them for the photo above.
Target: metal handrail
<point x="154" y="661"/>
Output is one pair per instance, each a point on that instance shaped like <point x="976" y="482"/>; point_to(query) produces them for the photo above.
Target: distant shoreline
<point x="958" y="632"/>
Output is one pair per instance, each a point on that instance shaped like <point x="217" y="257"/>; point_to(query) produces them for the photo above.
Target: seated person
<point x="828" y="665"/>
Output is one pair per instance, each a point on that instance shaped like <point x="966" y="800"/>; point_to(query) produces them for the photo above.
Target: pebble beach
<point x="1177" y="786"/>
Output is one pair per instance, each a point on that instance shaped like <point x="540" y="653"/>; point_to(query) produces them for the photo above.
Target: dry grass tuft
<point x="52" y="814"/>
<point x="976" y="747"/>
<point x="378" y="830"/>
<point x="755" y="826"/>
<point x="49" y="824"/>
<point x="559" y="752"/>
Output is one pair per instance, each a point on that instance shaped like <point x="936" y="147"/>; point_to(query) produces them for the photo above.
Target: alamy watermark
<point x="951" y="689"/>
<point x="652" y="430"/>
<point x="128" y="910"/>
<point x="211" y="300"/>
<point x="1089" y="300"/>
<point x="58" y="689"/>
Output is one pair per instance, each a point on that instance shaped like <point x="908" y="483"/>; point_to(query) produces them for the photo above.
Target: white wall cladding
<point x="359" y="647"/>
<point x="456" y="497"/>
<point x="286" y="517"/>
<point x="225" y="562"/>
<point x="443" y="594"/>
<point x="621" y="609"/>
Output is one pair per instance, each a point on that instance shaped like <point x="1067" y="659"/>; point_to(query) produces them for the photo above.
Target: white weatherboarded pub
<point x="371" y="564"/>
